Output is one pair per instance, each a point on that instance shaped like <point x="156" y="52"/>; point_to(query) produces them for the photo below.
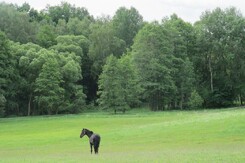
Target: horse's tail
<point x="97" y="144"/>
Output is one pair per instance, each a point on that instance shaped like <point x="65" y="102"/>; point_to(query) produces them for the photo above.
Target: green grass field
<point x="137" y="136"/>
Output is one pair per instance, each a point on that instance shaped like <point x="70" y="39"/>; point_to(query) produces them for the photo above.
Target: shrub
<point x="195" y="101"/>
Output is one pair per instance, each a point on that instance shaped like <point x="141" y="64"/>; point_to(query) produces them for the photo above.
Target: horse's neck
<point x="89" y="134"/>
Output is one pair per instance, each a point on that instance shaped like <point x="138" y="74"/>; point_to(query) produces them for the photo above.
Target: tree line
<point x="63" y="60"/>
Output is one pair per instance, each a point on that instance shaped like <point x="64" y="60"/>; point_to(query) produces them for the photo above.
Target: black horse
<point x="94" y="140"/>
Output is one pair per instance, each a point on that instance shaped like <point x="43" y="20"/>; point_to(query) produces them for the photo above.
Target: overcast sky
<point x="189" y="10"/>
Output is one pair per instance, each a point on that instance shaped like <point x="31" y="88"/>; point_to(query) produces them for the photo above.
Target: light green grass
<point x="171" y="136"/>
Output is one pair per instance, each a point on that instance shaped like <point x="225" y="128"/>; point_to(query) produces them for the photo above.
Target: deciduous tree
<point x="127" y="23"/>
<point x="153" y="58"/>
<point x="111" y="91"/>
<point x="49" y="93"/>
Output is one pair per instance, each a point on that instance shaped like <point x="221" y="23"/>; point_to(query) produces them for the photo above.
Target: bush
<point x="195" y="101"/>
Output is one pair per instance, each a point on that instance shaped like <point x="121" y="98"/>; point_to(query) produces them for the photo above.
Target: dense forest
<point x="63" y="60"/>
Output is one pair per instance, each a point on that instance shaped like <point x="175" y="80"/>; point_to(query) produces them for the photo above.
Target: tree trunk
<point x="29" y="105"/>
<point x="181" y="101"/>
<point x="241" y="100"/>
<point x="211" y="73"/>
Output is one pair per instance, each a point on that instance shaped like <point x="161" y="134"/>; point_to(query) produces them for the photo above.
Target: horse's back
<point x="95" y="139"/>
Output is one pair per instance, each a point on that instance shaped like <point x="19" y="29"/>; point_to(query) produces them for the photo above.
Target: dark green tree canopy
<point x="59" y="59"/>
<point x="16" y="25"/>
<point x="220" y="38"/>
<point x="127" y="23"/>
<point x="66" y="11"/>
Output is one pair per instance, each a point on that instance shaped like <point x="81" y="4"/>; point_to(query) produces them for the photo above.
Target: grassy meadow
<point x="137" y="136"/>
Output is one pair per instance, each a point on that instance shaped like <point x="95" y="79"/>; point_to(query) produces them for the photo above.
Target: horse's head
<point x="86" y="132"/>
<point x="83" y="133"/>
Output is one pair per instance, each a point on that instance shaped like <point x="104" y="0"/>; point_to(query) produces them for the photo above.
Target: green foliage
<point x="119" y="87"/>
<point x="31" y="59"/>
<point x="130" y="81"/>
<point x="72" y="44"/>
<point x="160" y="63"/>
<point x="28" y="71"/>
<point x="110" y="88"/>
<point x="9" y="75"/>
<point x="183" y="71"/>
<point x="49" y="93"/>
<point x="61" y="28"/>
<point x="46" y="36"/>
<point x="5" y="62"/>
<point x="34" y="15"/>
<point x="78" y="103"/>
<point x="75" y="26"/>
<point x="220" y="55"/>
<point x="73" y="49"/>
<point x="103" y="43"/>
<point x="16" y="24"/>
<point x="127" y="23"/>
<point x="2" y="105"/>
<point x="152" y="56"/>
<point x="195" y="101"/>
<point x="24" y="8"/>
<point x="66" y="11"/>
<point x="62" y="11"/>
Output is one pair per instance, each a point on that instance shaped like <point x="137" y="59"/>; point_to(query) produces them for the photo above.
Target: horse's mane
<point x="89" y="131"/>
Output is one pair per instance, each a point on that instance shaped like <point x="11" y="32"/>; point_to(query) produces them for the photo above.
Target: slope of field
<point x="137" y="136"/>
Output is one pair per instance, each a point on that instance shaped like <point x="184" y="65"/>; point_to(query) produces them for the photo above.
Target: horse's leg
<point x="96" y="147"/>
<point x="97" y="150"/>
<point x="91" y="147"/>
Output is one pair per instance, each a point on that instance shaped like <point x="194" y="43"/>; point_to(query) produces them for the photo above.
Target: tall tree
<point x="152" y="53"/>
<point x="129" y="80"/>
<point x="16" y="25"/>
<point x="6" y="70"/>
<point x="61" y="27"/>
<point x="119" y="86"/>
<point x="2" y="105"/>
<point x="75" y="48"/>
<point x="76" y="26"/>
<point x="26" y="53"/>
<point x="73" y="44"/>
<point x="9" y="76"/>
<point x="111" y="91"/>
<point x="103" y="43"/>
<point x="50" y="94"/>
<point x="46" y="36"/>
<point x="62" y="11"/>
<point x="66" y="11"/>
<point x="31" y="59"/>
<point x="220" y="38"/>
<point x="24" y="8"/>
<point x="127" y="23"/>
<point x="183" y="74"/>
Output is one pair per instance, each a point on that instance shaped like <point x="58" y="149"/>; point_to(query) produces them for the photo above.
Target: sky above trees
<point x="189" y="10"/>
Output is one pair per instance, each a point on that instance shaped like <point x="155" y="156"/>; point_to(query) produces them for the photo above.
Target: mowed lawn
<point x="137" y="136"/>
